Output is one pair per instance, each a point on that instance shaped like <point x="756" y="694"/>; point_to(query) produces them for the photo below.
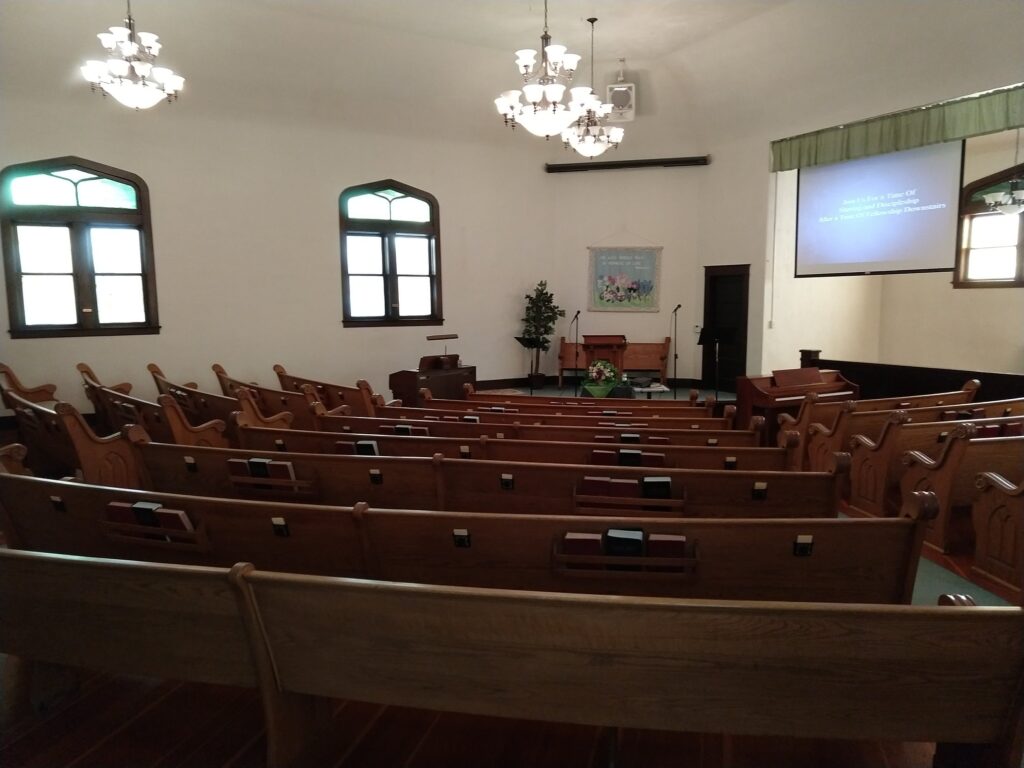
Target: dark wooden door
<point x="726" y="291"/>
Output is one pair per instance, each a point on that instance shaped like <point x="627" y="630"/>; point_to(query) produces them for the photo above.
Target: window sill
<point x="391" y="323"/>
<point x="52" y="333"/>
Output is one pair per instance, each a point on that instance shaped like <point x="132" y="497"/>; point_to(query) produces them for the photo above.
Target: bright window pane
<point x="49" y="300"/>
<point x="413" y="296"/>
<point x="994" y="230"/>
<point x="366" y="296"/>
<point x="368" y="207"/>
<point x="412" y="255"/>
<point x="42" y="189"/>
<point x="107" y="193"/>
<point x="119" y="299"/>
<point x="116" y="250"/>
<point x="74" y="174"/>
<point x="365" y="254"/>
<point x="44" y="249"/>
<point x="410" y="209"/>
<point x="992" y="264"/>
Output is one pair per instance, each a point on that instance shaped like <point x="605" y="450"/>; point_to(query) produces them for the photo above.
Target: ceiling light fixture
<point x="543" y="114"/>
<point x="128" y="73"/>
<point x="1010" y="202"/>
<point x="588" y="134"/>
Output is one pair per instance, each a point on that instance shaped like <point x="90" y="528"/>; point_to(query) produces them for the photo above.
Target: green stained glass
<point x="107" y="193"/>
<point x="42" y="189"/>
<point x="74" y="174"/>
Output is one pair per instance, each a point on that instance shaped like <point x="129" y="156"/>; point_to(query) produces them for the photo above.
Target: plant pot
<point x="536" y="380"/>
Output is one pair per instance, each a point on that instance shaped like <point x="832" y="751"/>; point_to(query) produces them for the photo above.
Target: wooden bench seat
<point x="359" y="398"/>
<point x="816" y="670"/>
<point x="815" y="411"/>
<point x="877" y="466"/>
<point x="610" y="431"/>
<point x="299" y="404"/>
<point x="592" y="402"/>
<point x="546" y="451"/>
<point x="491" y="417"/>
<point x="639" y="408"/>
<point x="951" y="476"/>
<point x="866" y="560"/>
<point x="998" y="518"/>
<point x="476" y="485"/>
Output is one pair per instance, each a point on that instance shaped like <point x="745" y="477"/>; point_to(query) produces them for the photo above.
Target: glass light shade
<point x="174" y="83"/>
<point x="107" y="40"/>
<point x="160" y="74"/>
<point x="120" y="33"/>
<point x="533" y="92"/>
<point x="546" y="122"/>
<point x="142" y="68"/>
<point x="1013" y="209"/>
<point x="155" y="48"/>
<point x="570" y="61"/>
<point x="134" y="95"/>
<point x="93" y="71"/>
<point x="555" y="54"/>
<point x="118" y="67"/>
<point x="616" y="134"/>
<point x="994" y="198"/>
<point x="525" y="59"/>
<point x="147" y="38"/>
<point x="128" y="48"/>
<point x="554" y="92"/>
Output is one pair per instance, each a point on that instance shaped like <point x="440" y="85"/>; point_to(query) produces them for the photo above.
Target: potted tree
<point x="538" y="324"/>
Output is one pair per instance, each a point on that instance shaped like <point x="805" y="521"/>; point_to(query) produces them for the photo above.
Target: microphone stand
<point x="675" y="352"/>
<point x="576" y="353"/>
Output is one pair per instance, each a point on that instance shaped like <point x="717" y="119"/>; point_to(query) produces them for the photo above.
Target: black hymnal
<point x="657" y="487"/>
<point x="367" y="448"/>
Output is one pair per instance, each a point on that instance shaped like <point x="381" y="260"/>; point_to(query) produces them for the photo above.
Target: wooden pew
<point x="50" y="450"/>
<point x="491" y="417"/>
<point x="9" y="382"/>
<point x="998" y="518"/>
<point x="359" y="398"/>
<point x="257" y="437"/>
<point x="859" y="561"/>
<point x="164" y="421"/>
<point x="877" y="466"/>
<point x="592" y="402"/>
<point x="12" y="459"/>
<point x="299" y="404"/>
<point x="614" y="431"/>
<point x="815" y="411"/>
<point x="201" y="407"/>
<point x="814" y="670"/>
<point x="823" y="441"/>
<point x="474" y="485"/>
<point x="642" y="409"/>
<point x="951" y="476"/>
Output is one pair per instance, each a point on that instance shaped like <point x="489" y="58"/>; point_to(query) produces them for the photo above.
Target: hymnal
<point x="657" y="487"/>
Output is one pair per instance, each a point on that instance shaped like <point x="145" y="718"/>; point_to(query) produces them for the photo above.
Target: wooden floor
<point x="102" y="721"/>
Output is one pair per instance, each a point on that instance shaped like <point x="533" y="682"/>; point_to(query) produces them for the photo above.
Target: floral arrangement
<point x="601" y="372"/>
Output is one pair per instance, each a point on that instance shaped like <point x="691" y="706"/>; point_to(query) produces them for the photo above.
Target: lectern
<point x="443" y="375"/>
<point x="607" y="347"/>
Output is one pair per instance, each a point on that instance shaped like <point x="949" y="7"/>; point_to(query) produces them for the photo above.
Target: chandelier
<point x="588" y="134"/>
<point x="1010" y="202"/>
<point x="543" y="114"/>
<point x="128" y="73"/>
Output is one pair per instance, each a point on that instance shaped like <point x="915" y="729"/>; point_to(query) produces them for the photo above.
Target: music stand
<point x="716" y="336"/>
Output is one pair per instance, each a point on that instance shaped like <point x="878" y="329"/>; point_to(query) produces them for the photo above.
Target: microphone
<point x="576" y="315"/>
<point x="677" y="307"/>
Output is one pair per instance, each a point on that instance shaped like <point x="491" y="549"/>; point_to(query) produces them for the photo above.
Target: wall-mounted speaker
<point x="622" y="97"/>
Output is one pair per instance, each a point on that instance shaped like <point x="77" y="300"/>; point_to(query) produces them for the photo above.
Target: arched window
<point x="991" y="253"/>
<point x="390" y="255"/>
<point x="78" y="250"/>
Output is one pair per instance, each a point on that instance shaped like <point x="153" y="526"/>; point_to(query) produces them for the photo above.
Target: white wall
<point x="245" y="171"/>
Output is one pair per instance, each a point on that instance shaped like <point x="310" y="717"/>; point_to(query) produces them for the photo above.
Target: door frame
<point x="711" y="272"/>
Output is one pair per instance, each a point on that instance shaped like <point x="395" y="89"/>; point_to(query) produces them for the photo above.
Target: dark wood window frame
<point x="388" y="230"/>
<point x="969" y="209"/>
<point x="78" y="219"/>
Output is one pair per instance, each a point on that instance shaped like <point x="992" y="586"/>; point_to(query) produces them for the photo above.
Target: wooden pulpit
<point x="606" y="347"/>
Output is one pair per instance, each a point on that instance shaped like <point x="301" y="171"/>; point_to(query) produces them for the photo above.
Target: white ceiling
<point x="643" y="29"/>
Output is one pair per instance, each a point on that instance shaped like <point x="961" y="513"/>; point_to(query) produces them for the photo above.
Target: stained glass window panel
<point x="49" y="300"/>
<point x="119" y="299"/>
<point x="365" y="254"/>
<point x="410" y="209"/>
<point x="116" y="250"/>
<point x="42" y="189"/>
<point x="368" y="206"/>
<point x="413" y="255"/>
<point x="107" y="193"/>
<point x="366" y="296"/>
<point x="44" y="249"/>
<point x="413" y="296"/>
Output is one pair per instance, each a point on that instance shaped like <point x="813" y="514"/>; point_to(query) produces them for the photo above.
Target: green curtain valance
<point x="988" y="112"/>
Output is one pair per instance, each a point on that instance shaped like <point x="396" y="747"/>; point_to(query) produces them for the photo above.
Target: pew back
<point x="359" y="398"/>
<point x="299" y="404"/>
